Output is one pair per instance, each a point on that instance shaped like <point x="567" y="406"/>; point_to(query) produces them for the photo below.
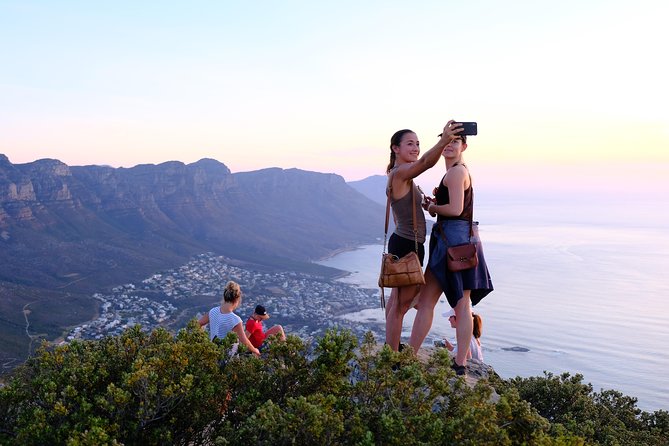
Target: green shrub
<point x="136" y="388"/>
<point x="156" y="388"/>
<point x="606" y="418"/>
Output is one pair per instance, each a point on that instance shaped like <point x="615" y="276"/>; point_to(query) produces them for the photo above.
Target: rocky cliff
<point x="68" y="231"/>
<point x="188" y="208"/>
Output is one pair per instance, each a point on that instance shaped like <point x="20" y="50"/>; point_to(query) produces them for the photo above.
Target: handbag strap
<point x="389" y="192"/>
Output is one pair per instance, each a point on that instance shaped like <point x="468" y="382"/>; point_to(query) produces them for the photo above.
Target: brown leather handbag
<point x="395" y="271"/>
<point x="462" y="257"/>
<point x="398" y="272"/>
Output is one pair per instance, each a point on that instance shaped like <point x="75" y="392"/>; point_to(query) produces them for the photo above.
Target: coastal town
<point x="305" y="305"/>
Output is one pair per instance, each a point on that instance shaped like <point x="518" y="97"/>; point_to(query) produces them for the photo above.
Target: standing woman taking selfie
<point x="453" y="205"/>
<point x="404" y="166"/>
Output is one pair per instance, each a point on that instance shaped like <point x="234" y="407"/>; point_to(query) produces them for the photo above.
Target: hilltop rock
<point x="476" y="370"/>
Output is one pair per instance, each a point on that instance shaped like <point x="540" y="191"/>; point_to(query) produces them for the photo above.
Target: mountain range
<point x="69" y="231"/>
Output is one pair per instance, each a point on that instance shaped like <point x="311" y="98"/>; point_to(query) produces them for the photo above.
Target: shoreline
<point x="337" y="252"/>
<point x="352" y="270"/>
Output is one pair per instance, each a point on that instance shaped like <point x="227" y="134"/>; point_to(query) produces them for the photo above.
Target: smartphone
<point x="468" y="128"/>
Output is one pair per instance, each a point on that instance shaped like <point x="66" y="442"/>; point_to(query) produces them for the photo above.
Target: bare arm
<point x="239" y="330"/>
<point x="204" y="320"/>
<point x="409" y="171"/>
<point x="456" y="182"/>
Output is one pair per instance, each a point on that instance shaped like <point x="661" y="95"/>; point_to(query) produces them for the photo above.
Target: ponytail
<point x="392" y="161"/>
<point x="478" y="325"/>
<point x="396" y="140"/>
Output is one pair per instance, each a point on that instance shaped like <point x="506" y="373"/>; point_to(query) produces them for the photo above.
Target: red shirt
<point x="257" y="336"/>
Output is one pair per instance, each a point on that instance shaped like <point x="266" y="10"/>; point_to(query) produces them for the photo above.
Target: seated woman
<point x="254" y="328"/>
<point x="475" y="350"/>
<point x="222" y="320"/>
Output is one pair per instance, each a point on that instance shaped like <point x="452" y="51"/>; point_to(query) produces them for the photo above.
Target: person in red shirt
<point x="254" y="327"/>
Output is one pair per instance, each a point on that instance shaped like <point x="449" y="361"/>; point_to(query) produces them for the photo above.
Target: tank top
<point x="220" y="324"/>
<point x="443" y="198"/>
<point x="474" y="349"/>
<point x="403" y="215"/>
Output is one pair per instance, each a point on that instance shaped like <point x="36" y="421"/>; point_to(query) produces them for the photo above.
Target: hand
<point x="427" y="201"/>
<point x="431" y="212"/>
<point x="451" y="130"/>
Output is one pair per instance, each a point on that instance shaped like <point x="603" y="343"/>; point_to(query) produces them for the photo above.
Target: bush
<point x="606" y="418"/>
<point x="155" y="388"/>
<point x="135" y="388"/>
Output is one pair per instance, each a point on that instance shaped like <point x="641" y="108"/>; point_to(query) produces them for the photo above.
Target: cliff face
<point x="93" y="216"/>
<point x="46" y="184"/>
<point x="67" y="232"/>
<point x="26" y="191"/>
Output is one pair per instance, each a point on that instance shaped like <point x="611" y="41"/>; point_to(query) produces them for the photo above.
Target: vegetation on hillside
<point x="156" y="388"/>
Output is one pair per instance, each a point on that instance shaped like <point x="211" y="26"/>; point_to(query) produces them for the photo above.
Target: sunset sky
<point x="322" y="85"/>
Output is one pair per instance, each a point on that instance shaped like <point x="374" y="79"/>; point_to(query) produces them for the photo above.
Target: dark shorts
<point x="401" y="246"/>
<point x="453" y="284"/>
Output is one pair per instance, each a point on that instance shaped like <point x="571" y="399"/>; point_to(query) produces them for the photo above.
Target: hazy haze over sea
<point x="582" y="285"/>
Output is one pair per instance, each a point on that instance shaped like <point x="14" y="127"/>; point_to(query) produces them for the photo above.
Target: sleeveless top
<point x="443" y="198"/>
<point x="220" y="324"/>
<point x="403" y="215"/>
<point x="474" y="349"/>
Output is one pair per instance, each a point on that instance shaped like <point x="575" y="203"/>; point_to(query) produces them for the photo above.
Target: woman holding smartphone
<point x="453" y="205"/>
<point x="404" y="166"/>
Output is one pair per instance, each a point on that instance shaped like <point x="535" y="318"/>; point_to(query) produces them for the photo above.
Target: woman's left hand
<point x="431" y="212"/>
<point x="427" y="201"/>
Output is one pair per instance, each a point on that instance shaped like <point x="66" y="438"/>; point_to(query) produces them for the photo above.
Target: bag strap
<point x="389" y="192"/>
<point x="471" y="186"/>
<point x="471" y="214"/>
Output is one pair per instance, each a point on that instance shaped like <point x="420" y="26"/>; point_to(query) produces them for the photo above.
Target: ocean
<point x="579" y="288"/>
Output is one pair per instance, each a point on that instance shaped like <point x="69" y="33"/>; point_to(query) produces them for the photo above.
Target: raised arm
<point x="410" y="171"/>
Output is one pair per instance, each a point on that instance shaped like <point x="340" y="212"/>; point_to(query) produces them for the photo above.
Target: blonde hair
<point x="232" y="292"/>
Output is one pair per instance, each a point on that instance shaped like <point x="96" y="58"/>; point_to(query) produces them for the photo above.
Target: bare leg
<point x="463" y="331"/>
<point x="400" y="300"/>
<point x="427" y="299"/>
<point x="391" y="299"/>
<point x="277" y="329"/>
